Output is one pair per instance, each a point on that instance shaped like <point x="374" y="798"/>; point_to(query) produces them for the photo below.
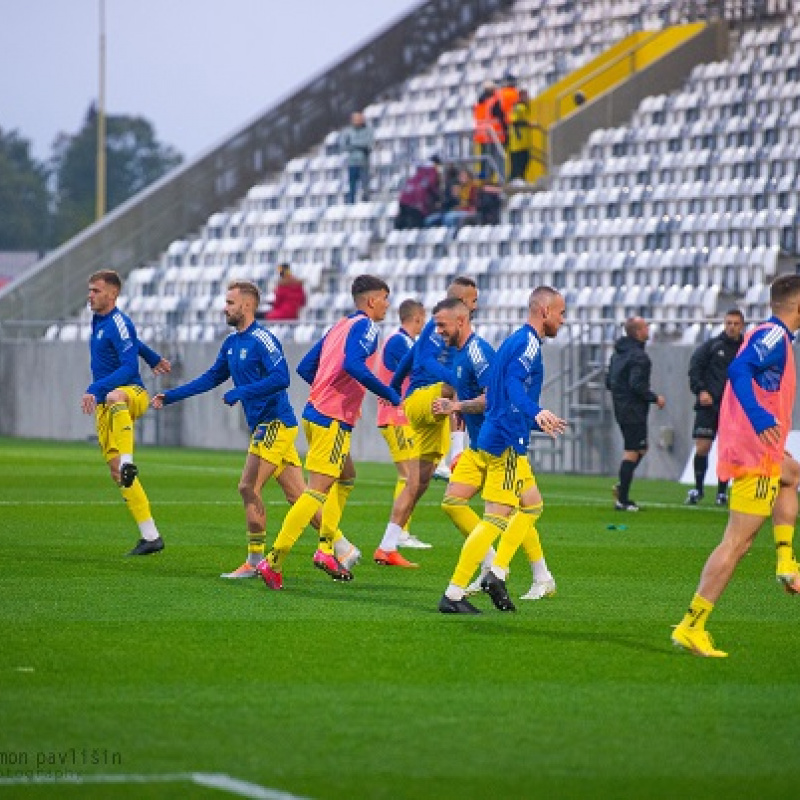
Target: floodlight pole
<point x="100" y="209"/>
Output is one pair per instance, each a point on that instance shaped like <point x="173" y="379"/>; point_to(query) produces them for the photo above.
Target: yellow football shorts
<point x="401" y="441"/>
<point x="431" y="432"/>
<point x="327" y="448"/>
<point x="274" y="442"/>
<point x="507" y="476"/>
<point x="138" y="402"/>
<point x="754" y="494"/>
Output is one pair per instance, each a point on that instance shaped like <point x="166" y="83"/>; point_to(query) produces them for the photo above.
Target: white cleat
<point x="351" y="558"/>
<point x="245" y="571"/>
<point x="442" y="473"/>
<point x="411" y="541"/>
<point x="540" y="590"/>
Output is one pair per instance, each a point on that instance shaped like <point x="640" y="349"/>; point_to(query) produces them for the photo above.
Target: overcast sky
<point x="197" y="69"/>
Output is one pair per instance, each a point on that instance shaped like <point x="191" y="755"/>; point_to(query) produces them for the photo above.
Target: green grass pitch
<point x="156" y="666"/>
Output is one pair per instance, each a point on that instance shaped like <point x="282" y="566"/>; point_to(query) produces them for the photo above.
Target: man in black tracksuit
<point x="708" y="374"/>
<point x="629" y="381"/>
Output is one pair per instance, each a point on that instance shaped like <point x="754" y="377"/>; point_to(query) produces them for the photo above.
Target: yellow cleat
<point x="697" y="642"/>
<point x="788" y="573"/>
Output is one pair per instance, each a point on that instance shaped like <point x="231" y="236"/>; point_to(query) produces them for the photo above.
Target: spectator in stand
<point x="421" y="195"/>
<point x="460" y="201"/>
<point x="357" y="141"/>
<point x="508" y="95"/>
<point x="520" y="136"/>
<point x="490" y="133"/>
<point x="290" y="296"/>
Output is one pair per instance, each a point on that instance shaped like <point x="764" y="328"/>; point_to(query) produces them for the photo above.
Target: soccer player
<point x="253" y="358"/>
<point x="512" y="499"/>
<point x="392" y="421"/>
<point x="708" y="374"/>
<point x="754" y="421"/>
<point x="428" y="363"/>
<point x="338" y="369"/>
<point x="471" y="363"/>
<point x="117" y="398"/>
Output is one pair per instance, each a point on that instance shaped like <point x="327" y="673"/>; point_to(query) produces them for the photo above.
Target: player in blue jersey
<point x="117" y="398"/>
<point x="512" y="499"/>
<point x="471" y="363"/>
<point x="253" y="359"/>
<point x="429" y="365"/>
<point x="392" y="421"/>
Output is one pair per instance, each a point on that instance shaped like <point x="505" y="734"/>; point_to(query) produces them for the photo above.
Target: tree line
<point x="44" y="203"/>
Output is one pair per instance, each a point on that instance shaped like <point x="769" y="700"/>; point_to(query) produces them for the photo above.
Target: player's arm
<point x="698" y="366"/>
<point x="755" y="359"/>
<point x="404" y="367"/>
<point x="428" y="358"/>
<point x="639" y="380"/>
<point x="394" y="351"/>
<point x="276" y="379"/>
<point x="357" y="349"/>
<point x="159" y="365"/>
<point x="309" y="364"/>
<point x="218" y="373"/>
<point x="443" y="405"/>
<point x="127" y="372"/>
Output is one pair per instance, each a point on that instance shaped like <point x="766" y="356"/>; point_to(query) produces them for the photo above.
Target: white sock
<point x="486" y="564"/>
<point x="125" y="458"/>
<point x="391" y="537"/>
<point x="540" y="571"/>
<point x="457" y="441"/>
<point x="148" y="530"/>
<point x="499" y="572"/>
<point x="342" y="547"/>
<point x="454" y="592"/>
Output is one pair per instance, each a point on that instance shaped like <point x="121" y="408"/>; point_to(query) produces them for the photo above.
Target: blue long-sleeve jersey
<point x="362" y="341"/>
<point x="471" y="366"/>
<point x="762" y="360"/>
<point x="396" y="348"/>
<point x="254" y="360"/>
<point x="114" y="350"/>
<point x="429" y="361"/>
<point x="512" y="395"/>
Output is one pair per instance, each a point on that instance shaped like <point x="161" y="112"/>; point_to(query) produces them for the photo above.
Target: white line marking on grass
<point x="224" y="783"/>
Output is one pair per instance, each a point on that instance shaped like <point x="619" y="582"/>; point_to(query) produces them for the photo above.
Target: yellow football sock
<point x="137" y="501"/>
<point x="532" y="545"/>
<point x="699" y="611"/>
<point x="256" y="546"/>
<point x="784" y="536"/>
<point x="475" y="547"/>
<point x="517" y="531"/>
<point x="294" y="523"/>
<point x="332" y="511"/>
<point x="398" y="487"/>
<point x="460" y="513"/>
<point x="121" y="428"/>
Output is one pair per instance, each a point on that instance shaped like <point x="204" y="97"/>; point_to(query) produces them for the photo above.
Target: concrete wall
<point x="41" y="384"/>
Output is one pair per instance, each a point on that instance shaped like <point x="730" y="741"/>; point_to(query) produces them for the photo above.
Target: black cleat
<point x="146" y="548"/>
<point x="127" y="474"/>
<point x="463" y="606"/>
<point x="496" y="589"/>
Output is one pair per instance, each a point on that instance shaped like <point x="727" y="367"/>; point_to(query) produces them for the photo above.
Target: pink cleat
<point x="273" y="579"/>
<point x="328" y="563"/>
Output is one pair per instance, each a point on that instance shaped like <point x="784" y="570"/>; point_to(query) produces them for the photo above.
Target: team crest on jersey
<point x="243" y="354"/>
<point x="100" y="334"/>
